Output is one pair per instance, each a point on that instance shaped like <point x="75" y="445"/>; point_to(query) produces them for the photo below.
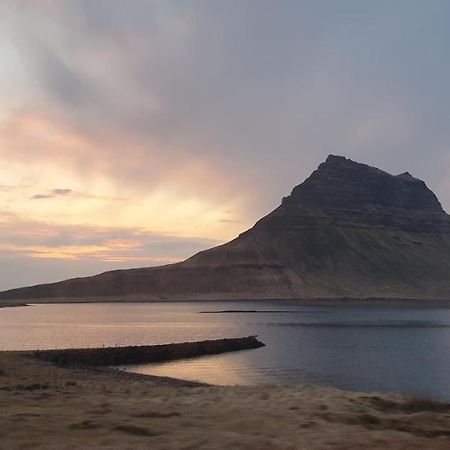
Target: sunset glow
<point x="138" y="134"/>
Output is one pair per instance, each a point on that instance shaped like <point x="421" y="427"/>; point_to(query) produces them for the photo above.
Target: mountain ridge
<point x="349" y="230"/>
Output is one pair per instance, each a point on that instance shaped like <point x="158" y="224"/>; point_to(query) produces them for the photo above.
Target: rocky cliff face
<point x="355" y="194"/>
<point x="349" y="230"/>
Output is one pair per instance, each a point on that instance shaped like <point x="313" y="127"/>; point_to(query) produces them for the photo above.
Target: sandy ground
<point x="47" y="407"/>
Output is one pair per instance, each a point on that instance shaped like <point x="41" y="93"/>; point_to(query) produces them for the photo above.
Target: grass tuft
<point x="137" y="431"/>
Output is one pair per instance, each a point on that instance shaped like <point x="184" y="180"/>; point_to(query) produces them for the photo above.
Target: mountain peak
<point x="340" y="183"/>
<point x="407" y="176"/>
<point x="333" y="159"/>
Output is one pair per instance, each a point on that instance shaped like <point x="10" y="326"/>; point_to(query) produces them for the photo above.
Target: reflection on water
<point x="363" y="348"/>
<point x="366" y="324"/>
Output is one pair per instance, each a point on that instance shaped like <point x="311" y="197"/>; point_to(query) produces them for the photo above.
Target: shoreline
<point x="13" y="305"/>
<point x="320" y="302"/>
<point x="43" y="405"/>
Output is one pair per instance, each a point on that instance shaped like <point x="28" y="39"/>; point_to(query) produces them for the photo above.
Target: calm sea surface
<point x="386" y="349"/>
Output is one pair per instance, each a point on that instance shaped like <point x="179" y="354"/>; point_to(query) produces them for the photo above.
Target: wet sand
<point x="47" y="407"/>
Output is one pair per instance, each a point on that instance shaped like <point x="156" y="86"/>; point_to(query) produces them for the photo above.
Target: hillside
<point x="349" y="230"/>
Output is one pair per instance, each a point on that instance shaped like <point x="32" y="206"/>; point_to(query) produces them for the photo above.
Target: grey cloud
<point x="29" y="233"/>
<point x="68" y="85"/>
<point x="53" y="193"/>
<point x="260" y="90"/>
<point x="62" y="191"/>
<point x="41" y="196"/>
<point x="229" y="221"/>
<point x="23" y="239"/>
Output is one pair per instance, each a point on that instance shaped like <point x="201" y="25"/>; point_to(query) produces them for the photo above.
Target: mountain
<point x="349" y="230"/>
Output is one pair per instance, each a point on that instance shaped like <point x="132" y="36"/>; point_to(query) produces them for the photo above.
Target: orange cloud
<point x="45" y="241"/>
<point x="75" y="184"/>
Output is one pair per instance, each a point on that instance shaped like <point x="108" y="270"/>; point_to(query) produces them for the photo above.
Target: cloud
<point x="80" y="247"/>
<point x="60" y="191"/>
<point x="53" y="193"/>
<point x="229" y="221"/>
<point x="24" y="236"/>
<point x="238" y="94"/>
<point x="41" y="196"/>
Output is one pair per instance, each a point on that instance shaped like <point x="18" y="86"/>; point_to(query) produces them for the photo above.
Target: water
<point x="385" y="349"/>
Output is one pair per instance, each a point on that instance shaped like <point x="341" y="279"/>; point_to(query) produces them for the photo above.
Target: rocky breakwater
<point x="142" y="354"/>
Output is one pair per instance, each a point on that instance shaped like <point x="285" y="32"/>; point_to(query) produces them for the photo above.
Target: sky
<point x="136" y="133"/>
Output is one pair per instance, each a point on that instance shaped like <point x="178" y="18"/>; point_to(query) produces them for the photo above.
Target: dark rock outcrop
<point x="349" y="230"/>
<point x="353" y="194"/>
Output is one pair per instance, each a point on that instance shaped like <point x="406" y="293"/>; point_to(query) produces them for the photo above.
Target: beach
<point x="46" y="406"/>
